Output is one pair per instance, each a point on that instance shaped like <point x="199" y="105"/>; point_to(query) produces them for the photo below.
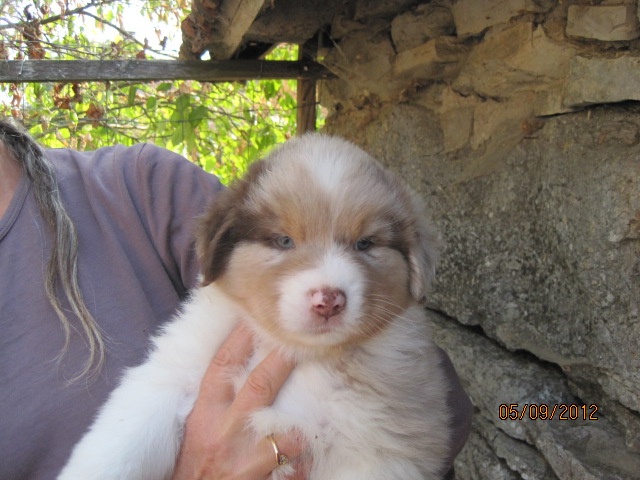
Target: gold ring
<point x="281" y="458"/>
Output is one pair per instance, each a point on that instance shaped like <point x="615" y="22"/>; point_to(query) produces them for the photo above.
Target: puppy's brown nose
<point x="328" y="302"/>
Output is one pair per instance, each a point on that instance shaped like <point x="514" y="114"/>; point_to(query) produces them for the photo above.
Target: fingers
<point x="217" y="443"/>
<point x="260" y="390"/>
<point x="263" y="383"/>
<point x="289" y="444"/>
<point x="216" y="387"/>
<point x="261" y="386"/>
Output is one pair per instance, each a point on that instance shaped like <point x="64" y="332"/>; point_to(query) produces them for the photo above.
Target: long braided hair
<point x="62" y="267"/>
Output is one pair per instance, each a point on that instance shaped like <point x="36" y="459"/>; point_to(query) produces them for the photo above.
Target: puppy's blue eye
<point x="284" y="242"/>
<point x="363" y="244"/>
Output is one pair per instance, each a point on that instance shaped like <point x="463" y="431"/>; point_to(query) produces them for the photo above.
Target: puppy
<point x="327" y="256"/>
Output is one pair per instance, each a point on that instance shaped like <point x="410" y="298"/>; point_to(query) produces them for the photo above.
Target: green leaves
<point x="151" y="103"/>
<point x="222" y="127"/>
<point x="131" y="98"/>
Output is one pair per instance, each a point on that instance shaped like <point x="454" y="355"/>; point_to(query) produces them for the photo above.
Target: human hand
<point x="217" y="444"/>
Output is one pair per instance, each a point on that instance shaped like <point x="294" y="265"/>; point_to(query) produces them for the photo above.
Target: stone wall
<point x="516" y="120"/>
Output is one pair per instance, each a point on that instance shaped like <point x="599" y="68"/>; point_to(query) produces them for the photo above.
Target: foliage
<point x="221" y="126"/>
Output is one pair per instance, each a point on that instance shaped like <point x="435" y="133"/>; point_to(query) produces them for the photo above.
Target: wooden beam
<point x="36" y="71"/>
<point x="306" y="92"/>
<point x="235" y="18"/>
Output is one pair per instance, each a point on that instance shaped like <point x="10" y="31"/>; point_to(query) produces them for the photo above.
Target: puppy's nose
<point x="328" y="302"/>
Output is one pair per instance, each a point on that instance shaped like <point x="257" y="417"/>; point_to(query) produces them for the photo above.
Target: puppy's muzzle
<point x="327" y="302"/>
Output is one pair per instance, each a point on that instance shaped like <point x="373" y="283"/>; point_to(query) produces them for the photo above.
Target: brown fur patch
<point x="219" y="231"/>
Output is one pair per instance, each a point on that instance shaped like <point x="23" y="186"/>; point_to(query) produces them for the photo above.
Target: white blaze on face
<point x="338" y="281"/>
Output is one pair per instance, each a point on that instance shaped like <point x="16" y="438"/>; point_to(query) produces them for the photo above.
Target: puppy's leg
<point x="137" y="434"/>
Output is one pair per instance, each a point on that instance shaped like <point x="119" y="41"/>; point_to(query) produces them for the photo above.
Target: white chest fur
<point x="365" y="416"/>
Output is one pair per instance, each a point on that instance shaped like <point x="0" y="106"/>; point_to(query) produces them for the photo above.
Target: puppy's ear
<point x="423" y="252"/>
<point x="214" y="237"/>
<point x="223" y="225"/>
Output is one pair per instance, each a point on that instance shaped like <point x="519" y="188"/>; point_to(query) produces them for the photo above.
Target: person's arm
<point x="170" y="194"/>
<point x="217" y="443"/>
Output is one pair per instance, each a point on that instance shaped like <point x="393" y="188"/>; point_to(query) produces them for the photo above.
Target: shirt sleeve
<point x="170" y="193"/>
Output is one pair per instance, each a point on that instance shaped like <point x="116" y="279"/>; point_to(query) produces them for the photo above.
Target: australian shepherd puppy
<point x="327" y="256"/>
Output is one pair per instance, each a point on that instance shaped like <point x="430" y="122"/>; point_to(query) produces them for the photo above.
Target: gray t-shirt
<point x="134" y="209"/>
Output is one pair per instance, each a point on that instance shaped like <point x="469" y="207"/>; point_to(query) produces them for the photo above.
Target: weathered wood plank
<point x="237" y="17"/>
<point x="306" y="93"/>
<point x="19" y="71"/>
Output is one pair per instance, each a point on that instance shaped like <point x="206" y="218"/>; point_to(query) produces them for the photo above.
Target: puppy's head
<point x="319" y="244"/>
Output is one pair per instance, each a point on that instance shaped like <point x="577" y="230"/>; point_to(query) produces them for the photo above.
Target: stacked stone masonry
<point x="517" y="121"/>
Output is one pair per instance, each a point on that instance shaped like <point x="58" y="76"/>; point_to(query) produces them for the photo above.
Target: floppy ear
<point x="222" y="226"/>
<point x="423" y="252"/>
<point x="214" y="237"/>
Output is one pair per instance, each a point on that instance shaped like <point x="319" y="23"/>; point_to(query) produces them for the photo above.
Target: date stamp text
<point x="543" y="411"/>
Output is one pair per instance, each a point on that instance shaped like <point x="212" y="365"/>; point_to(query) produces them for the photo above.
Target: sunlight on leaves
<point x="221" y="126"/>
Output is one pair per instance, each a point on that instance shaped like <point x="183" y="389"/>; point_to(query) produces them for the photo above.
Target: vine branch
<point x="57" y="18"/>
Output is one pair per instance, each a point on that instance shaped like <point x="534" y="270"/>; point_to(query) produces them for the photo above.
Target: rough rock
<point x="577" y="448"/>
<point x="603" y="22"/>
<point x="436" y="59"/>
<point x="500" y="121"/>
<point x="366" y="9"/>
<point x="515" y="59"/>
<point x="478" y="461"/>
<point x="370" y="70"/>
<point x="457" y="127"/>
<point x="363" y="62"/>
<point x="602" y="80"/>
<point x="292" y="20"/>
<point x="554" y="229"/>
<point x="472" y="17"/>
<point x="415" y="27"/>
<point x="492" y="454"/>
